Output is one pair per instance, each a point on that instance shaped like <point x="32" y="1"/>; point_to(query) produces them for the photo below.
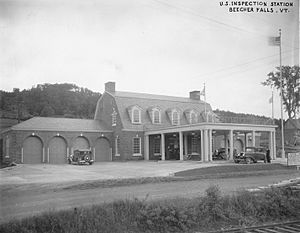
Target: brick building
<point x="132" y="126"/>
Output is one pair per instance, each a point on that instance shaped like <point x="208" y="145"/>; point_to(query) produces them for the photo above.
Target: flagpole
<point x="281" y="101"/>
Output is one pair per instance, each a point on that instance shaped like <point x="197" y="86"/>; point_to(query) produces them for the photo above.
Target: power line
<point x="239" y="65"/>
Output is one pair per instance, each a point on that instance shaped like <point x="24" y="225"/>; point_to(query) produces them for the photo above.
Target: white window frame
<point x="139" y="116"/>
<point x="140" y="146"/>
<point x="153" y="116"/>
<point x="173" y="119"/>
<point x="114" y="118"/>
<point x="191" y="117"/>
<point x="117" y="148"/>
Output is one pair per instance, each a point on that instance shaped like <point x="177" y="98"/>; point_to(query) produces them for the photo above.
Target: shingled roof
<point x="164" y="103"/>
<point x="61" y="124"/>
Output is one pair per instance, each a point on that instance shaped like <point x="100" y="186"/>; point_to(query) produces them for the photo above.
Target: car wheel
<point x="248" y="160"/>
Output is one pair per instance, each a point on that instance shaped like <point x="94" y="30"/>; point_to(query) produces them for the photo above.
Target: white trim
<point x="117" y="149"/>
<point x="154" y="110"/>
<point x="173" y="119"/>
<point x="135" y="108"/>
<point x="140" y="146"/>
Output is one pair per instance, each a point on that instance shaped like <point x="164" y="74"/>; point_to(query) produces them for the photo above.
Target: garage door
<point x="238" y="145"/>
<point x="32" y="150"/>
<point x="57" y="150"/>
<point x="81" y="143"/>
<point x="102" y="150"/>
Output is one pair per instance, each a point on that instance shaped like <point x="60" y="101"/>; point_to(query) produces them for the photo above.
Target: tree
<point x="290" y="87"/>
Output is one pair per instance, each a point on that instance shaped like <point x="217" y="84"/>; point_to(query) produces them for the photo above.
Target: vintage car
<point x="81" y="157"/>
<point x="251" y="155"/>
<point x="220" y="154"/>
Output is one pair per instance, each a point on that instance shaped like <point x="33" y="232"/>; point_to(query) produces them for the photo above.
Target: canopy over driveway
<point x="206" y="131"/>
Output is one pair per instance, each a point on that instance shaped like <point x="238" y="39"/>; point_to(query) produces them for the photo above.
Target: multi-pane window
<point x="193" y="118"/>
<point x="157" y="145"/>
<point x="117" y="144"/>
<point x="156" y="116"/>
<point x="175" y="118"/>
<point x="114" y="118"/>
<point x="136" y="116"/>
<point x="136" y="147"/>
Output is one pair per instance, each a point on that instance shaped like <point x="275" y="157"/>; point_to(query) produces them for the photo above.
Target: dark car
<point x="81" y="157"/>
<point x="251" y="155"/>
<point x="220" y="154"/>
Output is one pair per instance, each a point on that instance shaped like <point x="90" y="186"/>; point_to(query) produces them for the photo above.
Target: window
<point x="156" y="116"/>
<point x="175" y="118"/>
<point x="136" y="116"/>
<point x="117" y="146"/>
<point x="114" y="118"/>
<point x="157" y="145"/>
<point x="193" y="118"/>
<point x="136" y="146"/>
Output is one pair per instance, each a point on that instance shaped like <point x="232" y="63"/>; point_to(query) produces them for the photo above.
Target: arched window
<point x="193" y="117"/>
<point x="156" y="116"/>
<point x="175" y="118"/>
<point x="136" y="116"/>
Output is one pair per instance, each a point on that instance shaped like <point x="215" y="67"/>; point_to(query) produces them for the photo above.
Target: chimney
<point x="195" y="95"/>
<point x="110" y="87"/>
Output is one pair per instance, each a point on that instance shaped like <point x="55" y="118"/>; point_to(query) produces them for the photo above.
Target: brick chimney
<point x="110" y="87"/>
<point x="195" y="95"/>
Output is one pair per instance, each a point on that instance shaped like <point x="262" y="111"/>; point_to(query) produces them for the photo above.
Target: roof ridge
<point x="158" y="97"/>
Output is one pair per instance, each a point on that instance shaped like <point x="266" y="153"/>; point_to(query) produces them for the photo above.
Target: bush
<point x="212" y="211"/>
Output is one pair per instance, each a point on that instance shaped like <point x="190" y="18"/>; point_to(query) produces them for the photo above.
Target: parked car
<point x="81" y="157"/>
<point x="251" y="155"/>
<point x="220" y="154"/>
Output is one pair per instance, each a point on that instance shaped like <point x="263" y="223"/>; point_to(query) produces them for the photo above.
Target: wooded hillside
<point x="49" y="100"/>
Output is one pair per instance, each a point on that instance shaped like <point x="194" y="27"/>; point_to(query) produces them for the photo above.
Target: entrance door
<point x="58" y="150"/>
<point x="32" y="150"/>
<point x="102" y="150"/>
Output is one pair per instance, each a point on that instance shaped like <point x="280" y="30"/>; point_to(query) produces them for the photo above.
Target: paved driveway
<point x="49" y="173"/>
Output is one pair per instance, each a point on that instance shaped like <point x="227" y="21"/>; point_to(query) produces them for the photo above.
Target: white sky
<point x="166" y="47"/>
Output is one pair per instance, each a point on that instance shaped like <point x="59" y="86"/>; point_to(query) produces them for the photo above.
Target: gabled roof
<point x="61" y="124"/>
<point x="146" y="101"/>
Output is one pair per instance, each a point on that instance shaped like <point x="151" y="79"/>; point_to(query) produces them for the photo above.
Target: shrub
<point x="212" y="211"/>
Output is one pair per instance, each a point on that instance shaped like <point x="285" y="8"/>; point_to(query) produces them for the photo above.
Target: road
<point x="26" y="200"/>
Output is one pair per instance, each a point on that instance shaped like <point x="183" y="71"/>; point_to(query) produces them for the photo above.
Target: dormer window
<point x="175" y="117"/>
<point x="155" y="115"/>
<point x="136" y="116"/>
<point x="134" y="113"/>
<point x="193" y="117"/>
<point x="156" y="118"/>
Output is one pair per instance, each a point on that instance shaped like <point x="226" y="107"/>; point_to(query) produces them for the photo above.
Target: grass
<point x="213" y="211"/>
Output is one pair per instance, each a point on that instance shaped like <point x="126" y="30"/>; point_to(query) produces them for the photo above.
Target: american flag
<point x="274" y="40"/>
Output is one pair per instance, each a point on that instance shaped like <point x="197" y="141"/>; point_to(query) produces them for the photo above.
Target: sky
<point x="168" y="47"/>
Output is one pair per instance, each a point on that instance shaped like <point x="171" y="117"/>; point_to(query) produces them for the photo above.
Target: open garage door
<point x="102" y="150"/>
<point x="57" y="150"/>
<point x="32" y="150"/>
<point x="81" y="143"/>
